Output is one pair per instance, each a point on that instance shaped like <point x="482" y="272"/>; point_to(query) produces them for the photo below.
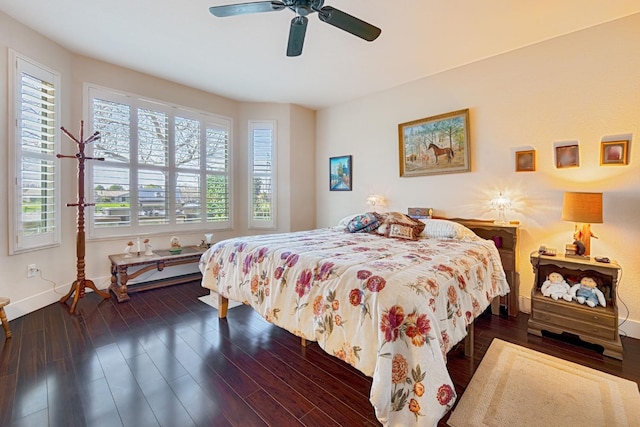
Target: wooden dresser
<point x="506" y="238"/>
<point x="596" y="325"/>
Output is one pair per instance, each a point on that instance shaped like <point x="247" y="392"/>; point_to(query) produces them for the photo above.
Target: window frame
<point x="207" y="120"/>
<point x="18" y="242"/>
<point x="253" y="223"/>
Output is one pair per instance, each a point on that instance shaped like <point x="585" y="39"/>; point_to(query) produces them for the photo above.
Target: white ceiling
<point x="243" y="57"/>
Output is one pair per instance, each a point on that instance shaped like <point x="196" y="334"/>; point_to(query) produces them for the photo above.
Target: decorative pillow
<point x="363" y="223"/>
<point x="346" y="220"/>
<point x="444" y="229"/>
<point x="398" y="218"/>
<point x="403" y="231"/>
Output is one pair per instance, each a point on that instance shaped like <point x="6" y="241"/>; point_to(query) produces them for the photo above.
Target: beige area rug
<point x="516" y="386"/>
<point x="212" y="300"/>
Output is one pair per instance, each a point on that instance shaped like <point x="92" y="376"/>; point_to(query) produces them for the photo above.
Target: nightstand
<point x="506" y="238"/>
<point x="596" y="325"/>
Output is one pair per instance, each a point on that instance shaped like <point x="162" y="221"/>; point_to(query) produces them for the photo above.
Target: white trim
<point x="37" y="301"/>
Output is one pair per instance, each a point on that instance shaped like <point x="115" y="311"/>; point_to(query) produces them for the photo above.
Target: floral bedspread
<point x="391" y="308"/>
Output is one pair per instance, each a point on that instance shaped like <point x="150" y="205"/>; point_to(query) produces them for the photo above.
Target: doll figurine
<point x="556" y="287"/>
<point x="587" y="292"/>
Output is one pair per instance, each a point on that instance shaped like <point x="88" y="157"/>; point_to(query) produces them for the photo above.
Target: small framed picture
<point x="526" y="161"/>
<point x="614" y="153"/>
<point x="567" y="156"/>
<point x="340" y="173"/>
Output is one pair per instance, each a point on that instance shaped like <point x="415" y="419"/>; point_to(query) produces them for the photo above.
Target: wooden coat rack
<point x="81" y="282"/>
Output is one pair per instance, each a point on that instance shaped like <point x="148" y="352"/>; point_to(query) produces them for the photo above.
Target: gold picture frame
<point x="567" y="156"/>
<point x="435" y="145"/>
<point x="526" y="161"/>
<point x="614" y="153"/>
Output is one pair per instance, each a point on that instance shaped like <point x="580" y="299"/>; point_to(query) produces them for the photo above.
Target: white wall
<point x="13" y="282"/>
<point x="303" y="168"/>
<point x="58" y="265"/>
<point x="583" y="86"/>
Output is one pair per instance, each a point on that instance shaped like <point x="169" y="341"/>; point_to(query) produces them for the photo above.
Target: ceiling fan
<point x="302" y="8"/>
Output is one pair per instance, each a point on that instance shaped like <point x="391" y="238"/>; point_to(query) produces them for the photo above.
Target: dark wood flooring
<point x="164" y="358"/>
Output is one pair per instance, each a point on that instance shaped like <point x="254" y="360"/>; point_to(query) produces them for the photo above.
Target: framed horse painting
<point x="435" y="145"/>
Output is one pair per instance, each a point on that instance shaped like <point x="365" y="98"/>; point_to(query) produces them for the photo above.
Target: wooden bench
<point x="160" y="259"/>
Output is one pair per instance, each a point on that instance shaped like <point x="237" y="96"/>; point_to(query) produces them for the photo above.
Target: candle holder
<point x="207" y="239"/>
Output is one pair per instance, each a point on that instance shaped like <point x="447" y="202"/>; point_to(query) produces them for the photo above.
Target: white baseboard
<point x="35" y="302"/>
<point x="630" y="328"/>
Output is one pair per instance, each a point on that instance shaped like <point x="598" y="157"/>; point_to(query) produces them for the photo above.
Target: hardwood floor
<point x="164" y="358"/>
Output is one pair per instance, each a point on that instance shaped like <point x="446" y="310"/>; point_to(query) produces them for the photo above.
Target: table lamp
<point x="584" y="209"/>
<point x="376" y="200"/>
<point x="501" y="204"/>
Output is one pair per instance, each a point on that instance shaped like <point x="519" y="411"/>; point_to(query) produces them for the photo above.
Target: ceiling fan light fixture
<point x="303" y="10"/>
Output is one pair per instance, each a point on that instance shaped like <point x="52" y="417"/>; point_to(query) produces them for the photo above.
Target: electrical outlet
<point x="32" y="270"/>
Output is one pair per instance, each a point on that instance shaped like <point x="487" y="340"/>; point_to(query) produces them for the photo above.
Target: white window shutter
<point x="262" y="140"/>
<point x="35" y="199"/>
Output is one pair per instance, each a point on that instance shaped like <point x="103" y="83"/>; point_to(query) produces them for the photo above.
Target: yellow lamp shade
<point x="582" y="207"/>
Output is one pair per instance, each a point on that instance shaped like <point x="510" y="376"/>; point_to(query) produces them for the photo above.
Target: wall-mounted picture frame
<point x="614" y="153"/>
<point x="567" y="156"/>
<point x="526" y="161"/>
<point x="435" y="145"/>
<point x="340" y="173"/>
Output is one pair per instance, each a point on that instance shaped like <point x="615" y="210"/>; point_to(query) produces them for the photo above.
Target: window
<point x="34" y="197"/>
<point x="262" y="174"/>
<point x="165" y="167"/>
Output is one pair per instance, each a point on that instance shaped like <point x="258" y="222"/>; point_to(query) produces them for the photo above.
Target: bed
<point x="389" y="302"/>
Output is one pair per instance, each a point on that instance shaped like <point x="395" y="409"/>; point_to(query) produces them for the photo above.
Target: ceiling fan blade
<point x="244" y="8"/>
<point x="296" y="35"/>
<point x="349" y="23"/>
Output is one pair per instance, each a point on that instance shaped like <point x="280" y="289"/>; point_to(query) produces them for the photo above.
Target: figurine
<point x="148" y="250"/>
<point x="175" y="245"/>
<point x="127" y="249"/>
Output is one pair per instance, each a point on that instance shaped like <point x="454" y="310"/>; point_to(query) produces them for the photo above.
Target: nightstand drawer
<point x="574" y="326"/>
<point x="600" y="315"/>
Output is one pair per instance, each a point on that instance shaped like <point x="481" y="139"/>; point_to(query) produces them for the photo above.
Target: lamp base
<point x="502" y="218"/>
<point x="582" y="233"/>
